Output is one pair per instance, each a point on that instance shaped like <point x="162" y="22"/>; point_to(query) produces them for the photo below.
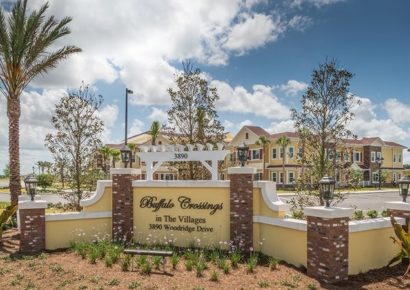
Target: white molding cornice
<point x="241" y="170"/>
<point x="328" y="212"/>
<point x="181" y="183"/>
<point x="78" y="215"/>
<point x="101" y="185"/>
<point x="373" y="224"/>
<point x="269" y="195"/>
<point x="131" y="171"/>
<point x="295" y="224"/>
<point x="36" y="204"/>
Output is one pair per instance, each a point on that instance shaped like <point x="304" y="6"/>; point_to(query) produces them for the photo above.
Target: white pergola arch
<point x="159" y="154"/>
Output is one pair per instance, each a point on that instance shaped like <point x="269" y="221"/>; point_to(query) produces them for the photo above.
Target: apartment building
<point x="284" y="167"/>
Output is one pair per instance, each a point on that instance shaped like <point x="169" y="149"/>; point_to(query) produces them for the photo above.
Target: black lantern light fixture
<point x="243" y="153"/>
<point x="379" y="161"/>
<point x="327" y="187"/>
<point x="125" y="155"/>
<point x="404" y="184"/>
<point x="30" y="183"/>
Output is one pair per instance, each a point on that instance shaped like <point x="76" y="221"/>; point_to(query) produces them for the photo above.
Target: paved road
<point x="54" y="198"/>
<point x="374" y="200"/>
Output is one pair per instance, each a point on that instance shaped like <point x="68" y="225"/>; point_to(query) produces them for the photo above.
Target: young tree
<point x="325" y="114"/>
<point x="6" y="170"/>
<point x="27" y="49"/>
<point x="78" y="135"/>
<point x="192" y="116"/>
<point x="154" y="132"/>
<point x="264" y="142"/>
<point x="115" y="154"/>
<point x="283" y="141"/>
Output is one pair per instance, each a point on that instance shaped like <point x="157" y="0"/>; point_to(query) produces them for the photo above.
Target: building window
<point x="281" y="177"/>
<point x="256" y="154"/>
<point x="357" y="156"/>
<point x="394" y="157"/>
<point x="290" y="152"/>
<point x="399" y="157"/>
<point x="291" y="177"/>
<point x="274" y="153"/>
<point x="375" y="177"/>
<point x="379" y="155"/>
<point x="394" y="176"/>
<point x="338" y="155"/>
<point x="258" y="176"/>
<point x="330" y="154"/>
<point x="300" y="152"/>
<point x="281" y="152"/>
<point x="274" y="176"/>
<point x="246" y="136"/>
<point x="373" y="156"/>
<point x="346" y="156"/>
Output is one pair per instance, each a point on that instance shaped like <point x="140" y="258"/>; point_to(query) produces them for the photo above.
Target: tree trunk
<point x="13" y="113"/>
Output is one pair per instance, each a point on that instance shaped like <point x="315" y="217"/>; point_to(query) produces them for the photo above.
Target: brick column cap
<point x="241" y="170"/>
<point x="28" y="204"/>
<point x="398" y="205"/>
<point x="328" y="212"/>
<point x="131" y="171"/>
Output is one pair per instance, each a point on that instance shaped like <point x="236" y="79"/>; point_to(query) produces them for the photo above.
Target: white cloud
<point x="228" y="125"/>
<point x="283" y="126"/>
<point x="254" y="30"/>
<point x="300" y="23"/>
<point x="261" y="102"/>
<point x="108" y="114"/>
<point x="317" y="3"/>
<point x="136" y="127"/>
<point x="293" y="87"/>
<point x="245" y="123"/>
<point x="366" y="124"/>
<point x="398" y="111"/>
<point x="158" y="115"/>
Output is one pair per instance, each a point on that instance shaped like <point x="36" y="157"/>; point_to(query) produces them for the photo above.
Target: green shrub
<point x="263" y="284"/>
<point x="108" y="261"/>
<point x="200" y="267"/>
<point x="372" y="213"/>
<point x="297" y="214"/>
<point x="312" y="286"/>
<point x="188" y="265"/>
<point x="214" y="276"/>
<point x="221" y="263"/>
<point x="133" y="285"/>
<point x="251" y="264"/>
<point x="157" y="261"/>
<point x="273" y="263"/>
<point x="114" y="282"/>
<point x="174" y="260"/>
<point x="214" y="256"/>
<point x="358" y="214"/>
<point x="384" y="213"/>
<point x="141" y="261"/>
<point x="93" y="255"/>
<point x="403" y="240"/>
<point x="227" y="268"/>
<point x="125" y="262"/>
<point x="235" y="259"/>
<point x="45" y="180"/>
<point x="146" y="268"/>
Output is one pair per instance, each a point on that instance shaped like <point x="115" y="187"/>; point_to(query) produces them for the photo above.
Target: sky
<point x="259" y="54"/>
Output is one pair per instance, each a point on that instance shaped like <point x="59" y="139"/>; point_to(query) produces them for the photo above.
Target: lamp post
<point x="243" y="154"/>
<point x="30" y="183"/>
<point x="125" y="151"/>
<point x="379" y="162"/>
<point x="327" y="187"/>
<point x="404" y="184"/>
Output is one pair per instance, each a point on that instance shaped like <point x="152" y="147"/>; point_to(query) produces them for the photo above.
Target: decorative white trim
<point x="134" y="171"/>
<point x="328" y="212"/>
<point x="295" y="224"/>
<point x="99" y="191"/>
<point x="180" y="183"/>
<point x="373" y="224"/>
<point x="241" y="170"/>
<point x="269" y="195"/>
<point x="78" y="215"/>
<point x="28" y="204"/>
<point x="398" y="205"/>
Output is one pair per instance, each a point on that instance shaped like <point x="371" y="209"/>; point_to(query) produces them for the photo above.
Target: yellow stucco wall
<point x="103" y="204"/>
<point x="201" y="233"/>
<point x="282" y="243"/>
<point x="59" y="234"/>
<point x="260" y="208"/>
<point x="371" y="249"/>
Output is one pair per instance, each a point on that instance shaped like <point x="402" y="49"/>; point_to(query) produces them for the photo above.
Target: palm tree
<point x="25" y="52"/>
<point x="115" y="156"/>
<point x="263" y="141"/>
<point x="154" y="132"/>
<point x="105" y="153"/>
<point x="283" y="142"/>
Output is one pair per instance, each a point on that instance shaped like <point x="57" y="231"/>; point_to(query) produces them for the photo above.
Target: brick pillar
<point x="32" y="225"/>
<point x="122" y="203"/>
<point x="399" y="209"/>
<point x="241" y="207"/>
<point x="328" y="243"/>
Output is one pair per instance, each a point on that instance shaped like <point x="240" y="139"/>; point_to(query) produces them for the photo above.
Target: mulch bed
<point x="66" y="270"/>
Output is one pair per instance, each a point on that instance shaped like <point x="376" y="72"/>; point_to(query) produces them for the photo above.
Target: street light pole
<point x="127" y="91"/>
<point x="379" y="162"/>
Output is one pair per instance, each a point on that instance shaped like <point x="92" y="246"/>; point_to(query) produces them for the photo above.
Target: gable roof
<point x="258" y="130"/>
<point x="287" y="134"/>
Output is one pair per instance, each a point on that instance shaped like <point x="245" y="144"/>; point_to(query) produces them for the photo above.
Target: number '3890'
<point x="180" y="156"/>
